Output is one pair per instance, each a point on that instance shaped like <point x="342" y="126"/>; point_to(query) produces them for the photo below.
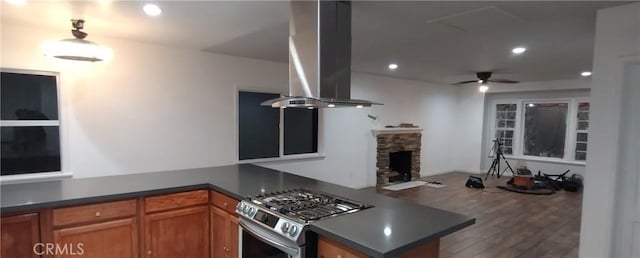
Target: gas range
<point x="288" y="212"/>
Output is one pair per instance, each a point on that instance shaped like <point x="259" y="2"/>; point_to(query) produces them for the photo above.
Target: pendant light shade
<point x="76" y="49"/>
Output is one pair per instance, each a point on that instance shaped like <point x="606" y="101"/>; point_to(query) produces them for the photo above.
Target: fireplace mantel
<point x="396" y="130"/>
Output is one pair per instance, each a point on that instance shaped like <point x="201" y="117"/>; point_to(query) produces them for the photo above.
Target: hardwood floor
<point x="507" y="224"/>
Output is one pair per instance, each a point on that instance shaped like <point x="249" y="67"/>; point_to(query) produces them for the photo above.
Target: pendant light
<point x="76" y="49"/>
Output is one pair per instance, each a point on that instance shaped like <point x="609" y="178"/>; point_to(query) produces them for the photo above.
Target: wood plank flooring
<point x="507" y="224"/>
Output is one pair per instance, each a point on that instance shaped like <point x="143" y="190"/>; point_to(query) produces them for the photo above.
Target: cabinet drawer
<point x="224" y="202"/>
<point x="177" y="200"/>
<point x="93" y="212"/>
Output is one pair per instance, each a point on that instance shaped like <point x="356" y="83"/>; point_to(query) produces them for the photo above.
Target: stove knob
<point x="285" y="227"/>
<point x="252" y="211"/>
<point x="239" y="206"/>
<point x="245" y="210"/>
<point x="293" y="231"/>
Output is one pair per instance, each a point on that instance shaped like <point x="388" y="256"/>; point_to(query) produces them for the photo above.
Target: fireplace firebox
<point x="400" y="162"/>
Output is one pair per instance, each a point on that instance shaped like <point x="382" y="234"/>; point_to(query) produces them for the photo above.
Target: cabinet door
<point x="233" y="236"/>
<point x="224" y="234"/>
<point x="118" y="238"/>
<point x="179" y="233"/>
<point x="218" y="232"/>
<point x="19" y="235"/>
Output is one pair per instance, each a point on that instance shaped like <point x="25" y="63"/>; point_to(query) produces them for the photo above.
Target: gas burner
<point x="306" y="205"/>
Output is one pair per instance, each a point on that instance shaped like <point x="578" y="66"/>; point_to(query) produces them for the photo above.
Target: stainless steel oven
<point x="259" y="242"/>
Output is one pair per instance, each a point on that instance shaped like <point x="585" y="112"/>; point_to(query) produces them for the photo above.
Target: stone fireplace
<point x="397" y="155"/>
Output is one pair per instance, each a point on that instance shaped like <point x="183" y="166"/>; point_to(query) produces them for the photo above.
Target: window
<point x="30" y="125"/>
<point x="542" y="129"/>
<point x="266" y="132"/>
<point x="505" y="126"/>
<point x="545" y="126"/>
<point x="582" y="131"/>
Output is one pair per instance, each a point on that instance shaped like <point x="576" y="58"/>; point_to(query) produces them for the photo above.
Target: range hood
<point x="319" y="56"/>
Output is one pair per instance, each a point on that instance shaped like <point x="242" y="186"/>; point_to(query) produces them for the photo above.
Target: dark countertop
<point x="387" y="229"/>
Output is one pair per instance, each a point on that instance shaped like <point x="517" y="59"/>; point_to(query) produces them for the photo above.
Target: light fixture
<point x="483" y="87"/>
<point x="310" y="108"/>
<point x="152" y="9"/>
<point x="518" y="50"/>
<point x="393" y="66"/>
<point x="585" y="74"/>
<point x="331" y="105"/>
<point x="531" y="105"/>
<point x="76" y="49"/>
<point x="17" y="2"/>
<point x="359" y="106"/>
<point x="479" y="81"/>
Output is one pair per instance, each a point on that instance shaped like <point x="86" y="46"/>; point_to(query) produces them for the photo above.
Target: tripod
<point x="495" y="165"/>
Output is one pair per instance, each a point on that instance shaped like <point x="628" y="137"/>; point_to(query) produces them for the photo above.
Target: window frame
<point x="518" y="135"/>
<point x="49" y="175"/>
<point x="281" y="156"/>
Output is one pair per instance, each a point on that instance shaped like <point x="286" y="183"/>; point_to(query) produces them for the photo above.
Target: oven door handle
<point x="256" y="232"/>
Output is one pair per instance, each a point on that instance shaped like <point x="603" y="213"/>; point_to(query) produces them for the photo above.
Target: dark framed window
<point x="266" y="132"/>
<point x="29" y="122"/>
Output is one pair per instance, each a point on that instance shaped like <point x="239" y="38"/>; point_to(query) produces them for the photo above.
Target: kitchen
<point x="168" y="107"/>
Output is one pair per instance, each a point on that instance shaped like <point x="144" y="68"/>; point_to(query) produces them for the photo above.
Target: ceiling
<point x="440" y="42"/>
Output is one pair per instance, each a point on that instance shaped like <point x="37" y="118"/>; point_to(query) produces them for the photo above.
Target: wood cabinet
<point x="177" y="233"/>
<point x="19" y="235"/>
<point x="224" y="234"/>
<point x="328" y="248"/>
<point x="117" y="238"/>
<point x="100" y="230"/>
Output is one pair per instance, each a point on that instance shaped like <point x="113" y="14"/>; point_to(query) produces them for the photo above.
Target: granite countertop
<point x="391" y="227"/>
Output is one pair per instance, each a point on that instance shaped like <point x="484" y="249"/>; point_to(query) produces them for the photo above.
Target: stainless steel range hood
<point x="319" y="56"/>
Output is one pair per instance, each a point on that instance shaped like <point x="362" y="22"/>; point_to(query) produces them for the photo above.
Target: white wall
<point x="350" y="145"/>
<point x="151" y="108"/>
<point x="617" y="48"/>
<point x="155" y="108"/>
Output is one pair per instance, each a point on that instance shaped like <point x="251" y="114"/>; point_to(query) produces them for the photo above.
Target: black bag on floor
<point x="474" y="182"/>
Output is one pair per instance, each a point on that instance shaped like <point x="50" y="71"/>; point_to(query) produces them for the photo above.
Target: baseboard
<point x="453" y="170"/>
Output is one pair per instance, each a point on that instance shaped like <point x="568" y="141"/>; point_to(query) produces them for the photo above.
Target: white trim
<point x="546" y="159"/>
<point x="29" y="122"/>
<point x="34" y="177"/>
<point x="285" y="158"/>
<point x="395" y="130"/>
<point x="518" y="135"/>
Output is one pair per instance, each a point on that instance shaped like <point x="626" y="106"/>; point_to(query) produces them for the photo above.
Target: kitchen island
<point x="390" y="228"/>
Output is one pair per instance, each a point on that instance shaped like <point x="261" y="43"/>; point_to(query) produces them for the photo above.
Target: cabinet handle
<point x="148" y="252"/>
<point x="98" y="214"/>
<point x="225" y="204"/>
<point x="339" y="256"/>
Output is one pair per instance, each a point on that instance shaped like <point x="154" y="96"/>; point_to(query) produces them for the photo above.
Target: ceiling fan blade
<point x="464" y="82"/>
<point x="503" y="81"/>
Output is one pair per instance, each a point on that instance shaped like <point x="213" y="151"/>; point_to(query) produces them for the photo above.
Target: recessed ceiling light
<point x="309" y="107"/>
<point x="585" y="73"/>
<point x="531" y="105"/>
<point x="152" y="9"/>
<point x="17" y="2"/>
<point x="518" y="50"/>
<point x="393" y="66"/>
<point x="359" y="106"/>
<point x="331" y="105"/>
<point x="483" y="88"/>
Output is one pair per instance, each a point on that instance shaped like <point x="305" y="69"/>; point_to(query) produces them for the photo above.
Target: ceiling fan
<point x="483" y="78"/>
